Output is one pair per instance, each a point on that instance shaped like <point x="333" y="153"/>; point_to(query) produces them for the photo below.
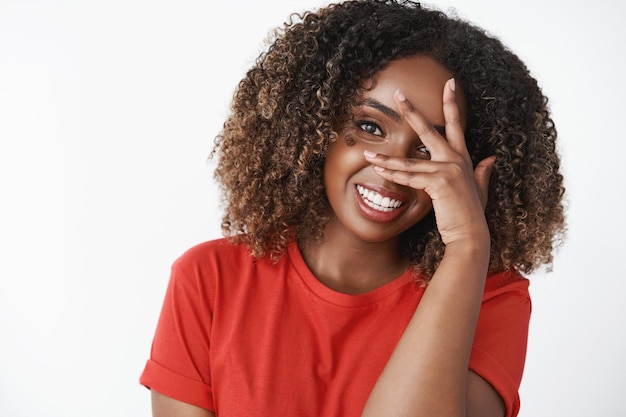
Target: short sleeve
<point x="179" y="361"/>
<point x="499" y="350"/>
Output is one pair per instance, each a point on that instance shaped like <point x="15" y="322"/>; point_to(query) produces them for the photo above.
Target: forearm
<point x="427" y="372"/>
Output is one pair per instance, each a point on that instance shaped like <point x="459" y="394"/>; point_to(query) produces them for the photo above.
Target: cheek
<point x="343" y="160"/>
<point x="425" y="203"/>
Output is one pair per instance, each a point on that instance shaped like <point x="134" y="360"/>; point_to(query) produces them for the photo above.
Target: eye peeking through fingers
<point x="369" y="127"/>
<point x="422" y="152"/>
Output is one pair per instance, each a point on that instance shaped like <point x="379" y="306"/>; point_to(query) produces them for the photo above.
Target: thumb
<point x="482" y="172"/>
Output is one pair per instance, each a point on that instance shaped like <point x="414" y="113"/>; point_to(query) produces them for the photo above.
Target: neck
<point x="349" y="265"/>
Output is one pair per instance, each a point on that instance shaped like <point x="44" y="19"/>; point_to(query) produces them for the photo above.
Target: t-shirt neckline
<point x="342" y="299"/>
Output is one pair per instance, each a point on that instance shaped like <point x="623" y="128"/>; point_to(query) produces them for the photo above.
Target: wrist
<point x="475" y="248"/>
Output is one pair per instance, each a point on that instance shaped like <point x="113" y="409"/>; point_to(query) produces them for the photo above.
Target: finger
<point x="454" y="130"/>
<point x="400" y="164"/>
<point x="424" y="129"/>
<point x="416" y="180"/>
<point x="482" y="173"/>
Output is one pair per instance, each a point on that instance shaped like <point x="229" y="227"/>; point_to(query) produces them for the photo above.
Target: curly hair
<point x="290" y="106"/>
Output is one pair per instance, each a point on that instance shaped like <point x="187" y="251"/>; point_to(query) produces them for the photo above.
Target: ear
<point x="482" y="173"/>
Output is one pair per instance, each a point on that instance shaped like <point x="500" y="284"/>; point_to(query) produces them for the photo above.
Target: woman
<point x="389" y="174"/>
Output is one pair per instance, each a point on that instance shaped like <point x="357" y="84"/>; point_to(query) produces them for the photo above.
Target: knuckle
<point x="453" y="120"/>
<point x="409" y="163"/>
<point x="426" y="130"/>
<point x="456" y="170"/>
<point x="457" y="161"/>
<point x="400" y="177"/>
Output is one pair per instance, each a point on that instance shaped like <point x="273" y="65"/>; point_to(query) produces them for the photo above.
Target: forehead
<point x="421" y="79"/>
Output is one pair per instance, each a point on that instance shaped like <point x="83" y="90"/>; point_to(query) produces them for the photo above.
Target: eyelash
<point x="362" y="124"/>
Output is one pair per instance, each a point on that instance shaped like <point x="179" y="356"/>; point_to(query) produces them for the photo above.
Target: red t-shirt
<point x="246" y="337"/>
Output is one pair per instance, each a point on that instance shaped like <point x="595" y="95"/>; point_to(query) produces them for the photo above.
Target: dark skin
<point x="427" y="374"/>
<point x="369" y="255"/>
<point x="339" y="272"/>
<point x="482" y="400"/>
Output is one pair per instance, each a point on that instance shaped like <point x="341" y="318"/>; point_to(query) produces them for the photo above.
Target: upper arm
<point x="164" y="406"/>
<point x="482" y="399"/>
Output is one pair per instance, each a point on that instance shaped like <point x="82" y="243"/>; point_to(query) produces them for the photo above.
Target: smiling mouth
<point x="377" y="201"/>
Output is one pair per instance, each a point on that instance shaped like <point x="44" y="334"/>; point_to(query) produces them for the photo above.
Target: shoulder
<point x="212" y="254"/>
<point x="509" y="282"/>
<point x="506" y="306"/>
<point x="506" y="303"/>
<point x="204" y="265"/>
<point x="221" y="265"/>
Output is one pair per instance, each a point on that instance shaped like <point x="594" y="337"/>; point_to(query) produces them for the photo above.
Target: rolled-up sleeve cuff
<point x="179" y="387"/>
<point x="495" y="374"/>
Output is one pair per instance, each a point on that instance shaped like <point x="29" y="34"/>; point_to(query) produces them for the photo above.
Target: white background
<point x="108" y="110"/>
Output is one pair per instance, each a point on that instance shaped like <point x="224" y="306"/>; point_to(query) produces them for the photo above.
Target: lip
<point x="377" y="215"/>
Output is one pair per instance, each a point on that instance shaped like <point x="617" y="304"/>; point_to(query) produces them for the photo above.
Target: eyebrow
<point x="384" y="109"/>
<point x="391" y="113"/>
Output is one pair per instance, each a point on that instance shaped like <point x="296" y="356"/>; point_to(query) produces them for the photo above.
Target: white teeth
<point x="377" y="201"/>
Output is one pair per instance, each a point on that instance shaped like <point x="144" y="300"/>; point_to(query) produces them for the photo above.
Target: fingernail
<point x="452" y="84"/>
<point x="400" y="96"/>
<point x="379" y="169"/>
<point x="369" y="154"/>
